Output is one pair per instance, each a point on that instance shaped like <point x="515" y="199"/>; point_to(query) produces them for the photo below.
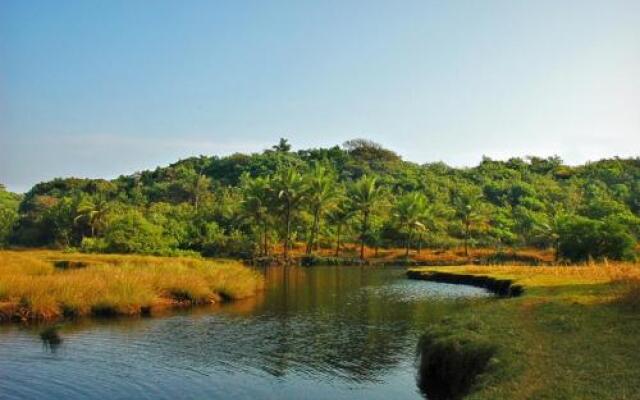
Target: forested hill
<point x="361" y="192"/>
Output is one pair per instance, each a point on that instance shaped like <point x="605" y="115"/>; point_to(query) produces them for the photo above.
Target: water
<point x="315" y="333"/>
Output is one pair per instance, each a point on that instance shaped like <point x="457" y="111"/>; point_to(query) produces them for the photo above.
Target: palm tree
<point x="551" y="230"/>
<point x="291" y="189"/>
<point x="255" y="206"/>
<point x="465" y="204"/>
<point x="93" y="214"/>
<point x="365" y="197"/>
<point x="410" y="213"/>
<point x="339" y="217"/>
<point x="322" y="197"/>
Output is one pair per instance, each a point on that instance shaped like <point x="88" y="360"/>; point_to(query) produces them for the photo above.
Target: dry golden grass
<point x="32" y="288"/>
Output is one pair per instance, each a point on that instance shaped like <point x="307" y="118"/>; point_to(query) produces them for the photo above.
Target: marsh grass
<point x="32" y="288"/>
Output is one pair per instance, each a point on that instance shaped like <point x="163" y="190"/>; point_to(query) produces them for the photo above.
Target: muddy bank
<point x="450" y="360"/>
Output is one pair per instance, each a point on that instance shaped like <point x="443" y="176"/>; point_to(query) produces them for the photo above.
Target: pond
<point x="315" y="333"/>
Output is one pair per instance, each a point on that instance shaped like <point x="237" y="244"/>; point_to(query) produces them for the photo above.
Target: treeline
<point x="260" y="204"/>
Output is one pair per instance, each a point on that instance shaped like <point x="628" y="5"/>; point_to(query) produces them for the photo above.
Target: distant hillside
<point x="202" y="204"/>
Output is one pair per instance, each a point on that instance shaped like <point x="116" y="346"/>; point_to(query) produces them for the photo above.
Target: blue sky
<point x="102" y="88"/>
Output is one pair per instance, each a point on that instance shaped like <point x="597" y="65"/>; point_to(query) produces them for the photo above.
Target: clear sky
<point x="102" y="88"/>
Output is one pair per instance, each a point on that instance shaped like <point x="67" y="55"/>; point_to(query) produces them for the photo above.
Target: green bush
<point x="93" y="245"/>
<point x="131" y="232"/>
<point x="582" y="238"/>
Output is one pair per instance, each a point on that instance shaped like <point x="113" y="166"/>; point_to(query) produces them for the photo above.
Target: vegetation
<point x="450" y="361"/>
<point x="45" y="285"/>
<point x="267" y="203"/>
<point x="570" y="336"/>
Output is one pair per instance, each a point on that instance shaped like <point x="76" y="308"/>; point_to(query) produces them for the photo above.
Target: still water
<point x="315" y="333"/>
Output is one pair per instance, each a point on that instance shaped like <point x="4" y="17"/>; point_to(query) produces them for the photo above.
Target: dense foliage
<point x="257" y="204"/>
<point x="8" y="214"/>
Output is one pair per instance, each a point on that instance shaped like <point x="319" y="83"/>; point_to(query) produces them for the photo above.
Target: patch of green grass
<point x="571" y="339"/>
<point x="451" y="359"/>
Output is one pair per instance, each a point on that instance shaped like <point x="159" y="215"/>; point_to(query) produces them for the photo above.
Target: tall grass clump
<point x="32" y="288"/>
<point x="450" y="360"/>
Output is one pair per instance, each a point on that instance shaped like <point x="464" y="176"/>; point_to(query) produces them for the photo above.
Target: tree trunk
<point x="338" y="240"/>
<point x="317" y="236"/>
<point x="419" y="243"/>
<point x="406" y="247"/>
<point x="312" y="234"/>
<point x="264" y="233"/>
<point x="409" y="234"/>
<point x="466" y="237"/>
<point x="365" y="221"/>
<point x="288" y="234"/>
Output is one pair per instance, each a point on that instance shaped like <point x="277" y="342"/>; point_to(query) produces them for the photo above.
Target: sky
<point x="102" y="88"/>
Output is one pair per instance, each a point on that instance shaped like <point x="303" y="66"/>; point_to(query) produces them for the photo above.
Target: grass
<point x="450" y="361"/>
<point x="33" y="288"/>
<point x="574" y="333"/>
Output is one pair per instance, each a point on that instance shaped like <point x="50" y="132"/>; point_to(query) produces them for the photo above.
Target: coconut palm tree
<point x="339" y="217"/>
<point x="92" y="214"/>
<point x="365" y="197"/>
<point x="291" y="189"/>
<point x="410" y="214"/>
<point x="323" y="193"/>
<point x="256" y="206"/>
<point x="466" y="204"/>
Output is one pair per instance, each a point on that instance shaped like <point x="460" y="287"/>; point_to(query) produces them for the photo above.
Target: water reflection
<point x="315" y="332"/>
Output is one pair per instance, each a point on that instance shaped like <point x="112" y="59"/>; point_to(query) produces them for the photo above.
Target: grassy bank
<point x="46" y="285"/>
<point x="572" y="335"/>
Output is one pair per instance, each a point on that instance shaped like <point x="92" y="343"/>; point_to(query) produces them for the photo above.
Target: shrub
<point x="582" y="238"/>
<point x="131" y="232"/>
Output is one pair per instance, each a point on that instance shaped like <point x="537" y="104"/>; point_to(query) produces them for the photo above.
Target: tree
<point x="92" y="214"/>
<point x="283" y="146"/>
<point x="322" y="197"/>
<point x="582" y="238"/>
<point x="128" y="231"/>
<point x="291" y="189"/>
<point x="8" y="214"/>
<point x="410" y="213"/>
<point x="466" y="202"/>
<point x="365" y="196"/>
<point x="59" y="218"/>
<point x="551" y="231"/>
<point x="256" y="192"/>
<point x="339" y="217"/>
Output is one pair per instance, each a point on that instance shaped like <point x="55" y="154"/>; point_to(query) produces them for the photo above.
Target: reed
<point x="31" y="287"/>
